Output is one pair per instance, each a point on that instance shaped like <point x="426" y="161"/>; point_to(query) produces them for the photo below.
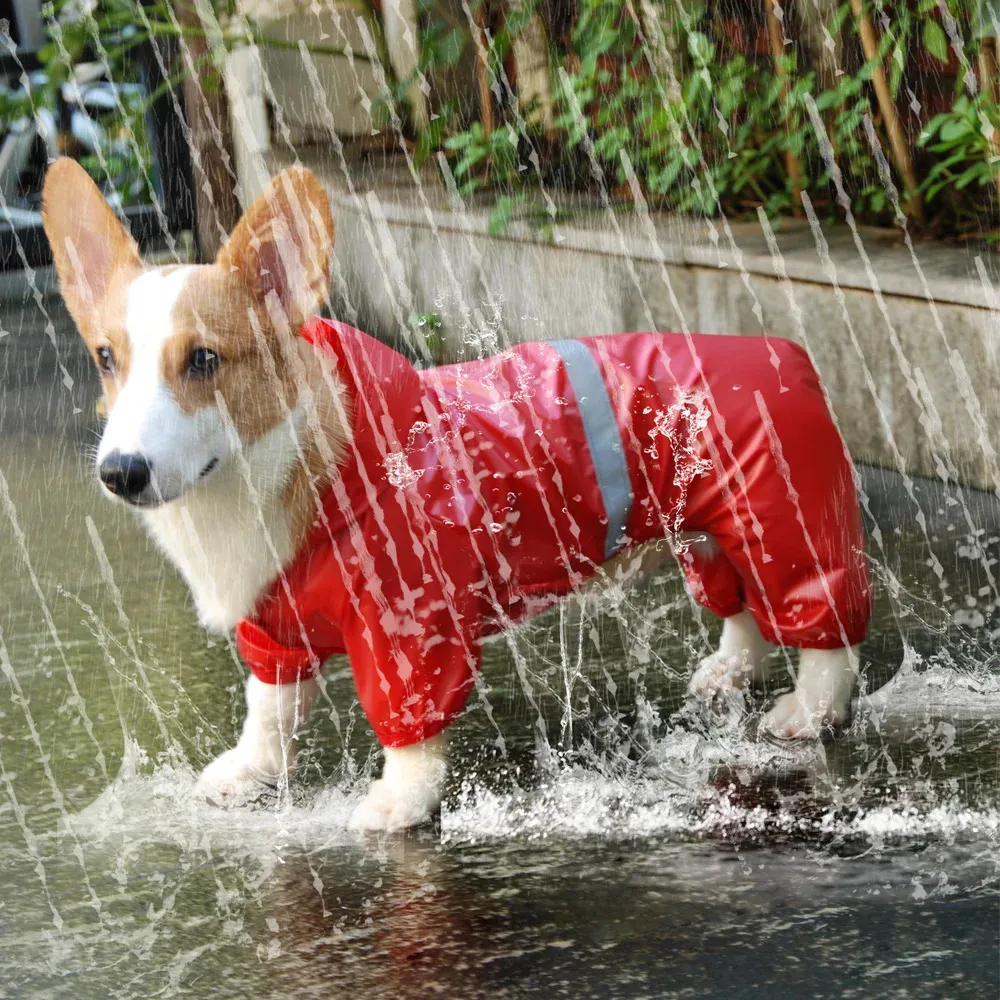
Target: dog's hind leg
<point x="268" y="746"/>
<point x="718" y="586"/>
<point x="410" y="789"/>
<point x="822" y="695"/>
<point x="738" y="660"/>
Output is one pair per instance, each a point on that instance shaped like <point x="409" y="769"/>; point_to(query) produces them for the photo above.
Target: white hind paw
<point x="387" y="808"/>
<point x="738" y="660"/>
<point x="796" y="717"/>
<point x="822" y="695"/>
<point x="409" y="791"/>
<point x="717" y="675"/>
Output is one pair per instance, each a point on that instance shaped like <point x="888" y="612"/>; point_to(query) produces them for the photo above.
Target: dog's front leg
<point x="410" y="789"/>
<point x="268" y="746"/>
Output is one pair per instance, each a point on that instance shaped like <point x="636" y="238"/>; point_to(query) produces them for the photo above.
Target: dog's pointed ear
<point x="282" y="245"/>
<point x="89" y="243"/>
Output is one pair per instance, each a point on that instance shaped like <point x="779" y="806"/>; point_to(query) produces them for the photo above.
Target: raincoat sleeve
<point x="412" y="636"/>
<point x="271" y="662"/>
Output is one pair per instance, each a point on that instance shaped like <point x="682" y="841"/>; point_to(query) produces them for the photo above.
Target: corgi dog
<point x="320" y="495"/>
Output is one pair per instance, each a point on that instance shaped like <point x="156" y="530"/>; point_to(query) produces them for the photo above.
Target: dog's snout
<point x="125" y="475"/>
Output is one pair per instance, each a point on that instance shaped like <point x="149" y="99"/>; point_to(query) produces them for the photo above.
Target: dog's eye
<point x="202" y="362"/>
<point x="105" y="360"/>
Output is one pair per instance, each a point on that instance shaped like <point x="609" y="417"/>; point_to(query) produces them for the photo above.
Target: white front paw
<point x="718" y="674"/>
<point x="233" y="779"/>
<point x="797" y="716"/>
<point x="389" y="806"/>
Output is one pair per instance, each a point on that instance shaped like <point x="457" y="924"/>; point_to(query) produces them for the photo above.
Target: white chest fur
<point x="230" y="535"/>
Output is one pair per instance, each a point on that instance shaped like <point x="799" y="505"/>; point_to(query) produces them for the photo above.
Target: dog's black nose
<point x="125" y="475"/>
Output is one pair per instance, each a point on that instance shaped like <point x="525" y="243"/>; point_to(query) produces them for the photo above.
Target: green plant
<point x="117" y="28"/>
<point x="113" y="34"/>
<point x="961" y="137"/>
<point x="712" y="130"/>
<point x="715" y="142"/>
<point x="428" y="326"/>
<point x="652" y="93"/>
<point x="484" y="158"/>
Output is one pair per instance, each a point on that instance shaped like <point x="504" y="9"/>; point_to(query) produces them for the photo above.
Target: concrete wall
<point x="910" y="361"/>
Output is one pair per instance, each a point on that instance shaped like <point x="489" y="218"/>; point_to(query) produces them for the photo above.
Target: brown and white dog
<point x="223" y="427"/>
<point x="229" y="420"/>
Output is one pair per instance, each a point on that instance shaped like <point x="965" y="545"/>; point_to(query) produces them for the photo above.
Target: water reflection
<point x="641" y="852"/>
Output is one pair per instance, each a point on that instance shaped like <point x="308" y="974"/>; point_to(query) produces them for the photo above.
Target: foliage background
<point x="681" y="102"/>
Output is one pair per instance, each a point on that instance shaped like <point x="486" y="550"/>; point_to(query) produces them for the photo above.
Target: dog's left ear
<point x="282" y="246"/>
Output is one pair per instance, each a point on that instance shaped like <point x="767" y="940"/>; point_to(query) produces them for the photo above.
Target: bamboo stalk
<point x="897" y="138"/>
<point x="776" y="36"/>
<point x="483" y="71"/>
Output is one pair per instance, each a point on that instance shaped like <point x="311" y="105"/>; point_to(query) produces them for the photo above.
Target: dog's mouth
<point x="140" y="501"/>
<point x="154" y="497"/>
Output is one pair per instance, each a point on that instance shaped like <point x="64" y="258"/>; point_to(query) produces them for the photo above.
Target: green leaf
<point x="701" y="48"/>
<point x="973" y="173"/>
<point x="827" y="99"/>
<point x="935" y="40"/>
<point x="932" y="127"/>
<point x="449" y="48"/>
<point x="502" y="214"/>
<point x="954" y="129"/>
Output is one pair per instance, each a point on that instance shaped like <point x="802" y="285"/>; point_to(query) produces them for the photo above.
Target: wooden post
<point x="661" y="39"/>
<point x="776" y="35"/>
<point x="897" y="138"/>
<point x="987" y="65"/>
<point x="814" y="17"/>
<point x="165" y="124"/>
<point x="217" y="209"/>
<point x="529" y="75"/>
<point x="399" y="20"/>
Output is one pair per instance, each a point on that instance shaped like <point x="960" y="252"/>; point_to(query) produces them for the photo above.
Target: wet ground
<point x="597" y="841"/>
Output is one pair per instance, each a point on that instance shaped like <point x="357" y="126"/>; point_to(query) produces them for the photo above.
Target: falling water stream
<point x="641" y="850"/>
<point x="599" y="838"/>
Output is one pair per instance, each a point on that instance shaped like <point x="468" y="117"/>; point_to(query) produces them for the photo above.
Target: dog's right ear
<point x="89" y="243"/>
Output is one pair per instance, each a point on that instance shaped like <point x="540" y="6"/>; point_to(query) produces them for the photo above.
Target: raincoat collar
<point x="385" y="396"/>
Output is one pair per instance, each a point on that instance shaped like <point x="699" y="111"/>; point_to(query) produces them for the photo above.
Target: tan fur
<point x="284" y="240"/>
<point x="106" y="329"/>
<point x="95" y="261"/>
<point x="90" y="248"/>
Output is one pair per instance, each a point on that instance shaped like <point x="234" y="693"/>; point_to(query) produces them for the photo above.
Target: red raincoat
<point x="474" y="494"/>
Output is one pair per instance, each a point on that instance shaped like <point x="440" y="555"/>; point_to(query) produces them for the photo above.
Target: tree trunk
<point x="217" y="208"/>
<point x="898" y="142"/>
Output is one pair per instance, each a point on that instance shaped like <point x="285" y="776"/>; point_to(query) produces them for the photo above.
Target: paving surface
<point x="632" y="853"/>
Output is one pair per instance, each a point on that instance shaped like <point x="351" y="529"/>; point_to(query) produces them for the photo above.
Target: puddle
<point x="635" y="851"/>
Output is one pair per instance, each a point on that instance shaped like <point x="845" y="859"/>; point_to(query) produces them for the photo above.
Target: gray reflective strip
<point x="603" y="437"/>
